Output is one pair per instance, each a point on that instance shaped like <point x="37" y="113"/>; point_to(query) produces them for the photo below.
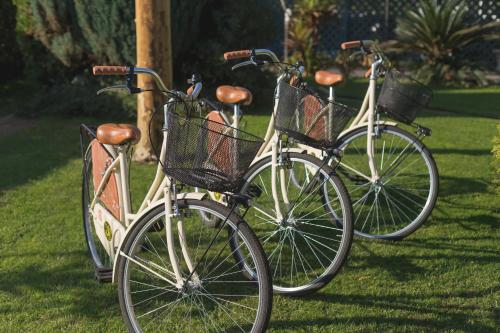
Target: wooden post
<point x="154" y="50"/>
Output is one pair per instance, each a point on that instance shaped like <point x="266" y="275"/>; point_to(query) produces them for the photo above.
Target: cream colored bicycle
<point x="298" y="207"/>
<point x="174" y="272"/>
<point x="391" y="176"/>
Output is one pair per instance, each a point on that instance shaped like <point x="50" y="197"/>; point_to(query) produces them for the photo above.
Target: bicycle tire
<point x="189" y="207"/>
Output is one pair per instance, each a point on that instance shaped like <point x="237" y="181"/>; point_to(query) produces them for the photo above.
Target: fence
<point x="371" y="19"/>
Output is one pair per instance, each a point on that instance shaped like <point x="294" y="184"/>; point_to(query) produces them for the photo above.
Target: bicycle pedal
<point x="103" y="275"/>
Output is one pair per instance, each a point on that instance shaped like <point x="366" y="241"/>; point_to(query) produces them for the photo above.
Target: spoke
<point x="321" y="226"/>
<point x="324" y="237"/>
<point x="396" y="206"/>
<point x="150" y="298"/>
<point x="214" y="299"/>
<point x="260" y="210"/>
<point x="148" y="269"/>
<point x="314" y="252"/>
<point x="161" y="307"/>
<point x="262" y="182"/>
<point x="368" y="215"/>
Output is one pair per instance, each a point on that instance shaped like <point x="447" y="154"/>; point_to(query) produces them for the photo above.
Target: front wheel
<point x="400" y="201"/>
<point x="308" y="244"/>
<point x="218" y="297"/>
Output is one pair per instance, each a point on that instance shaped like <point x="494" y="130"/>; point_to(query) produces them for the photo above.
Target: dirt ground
<point x="11" y="124"/>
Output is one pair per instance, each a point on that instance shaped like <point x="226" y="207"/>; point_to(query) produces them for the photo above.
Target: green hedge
<point x="61" y="39"/>
<point x="9" y="54"/>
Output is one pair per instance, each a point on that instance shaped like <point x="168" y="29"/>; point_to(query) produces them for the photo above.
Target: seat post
<point x="331" y="96"/>
<point x="236" y="115"/>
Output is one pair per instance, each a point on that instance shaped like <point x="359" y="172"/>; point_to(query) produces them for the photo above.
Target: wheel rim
<point x="223" y="300"/>
<point x="403" y="195"/>
<point x="304" y="249"/>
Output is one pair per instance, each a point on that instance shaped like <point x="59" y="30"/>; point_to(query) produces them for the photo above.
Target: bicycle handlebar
<point x="124" y="70"/>
<point x="110" y="70"/>
<point x="237" y="54"/>
<point x="250" y="53"/>
<point x="357" y="44"/>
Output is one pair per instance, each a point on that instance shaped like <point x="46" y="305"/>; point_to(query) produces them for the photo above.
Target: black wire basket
<point x="308" y="119"/>
<point x="402" y="97"/>
<point x="208" y="154"/>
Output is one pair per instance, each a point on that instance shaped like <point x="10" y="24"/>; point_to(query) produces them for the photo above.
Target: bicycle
<point x="391" y="175"/>
<point x="299" y="207"/>
<point x="174" y="273"/>
<point x="384" y="208"/>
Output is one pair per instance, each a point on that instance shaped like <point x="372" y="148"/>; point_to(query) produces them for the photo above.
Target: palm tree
<point x="439" y="31"/>
<point x="303" y="33"/>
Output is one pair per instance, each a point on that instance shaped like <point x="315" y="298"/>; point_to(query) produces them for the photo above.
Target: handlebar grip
<point x="351" y="44"/>
<point x="237" y="54"/>
<point x="109" y="70"/>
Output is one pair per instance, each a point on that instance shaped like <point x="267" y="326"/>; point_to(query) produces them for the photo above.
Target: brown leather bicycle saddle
<point x="234" y="95"/>
<point x="327" y="78"/>
<point x="118" y="134"/>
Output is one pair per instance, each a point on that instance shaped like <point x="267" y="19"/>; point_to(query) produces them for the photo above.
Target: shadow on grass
<point x="457" y="185"/>
<point x="69" y="281"/>
<point x="33" y="153"/>
<point x="459" y="151"/>
<point x="450" y="317"/>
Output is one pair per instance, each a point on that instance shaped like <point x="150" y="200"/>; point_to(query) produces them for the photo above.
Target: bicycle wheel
<point x="308" y="245"/>
<point x="98" y="254"/>
<point x="404" y="196"/>
<point x="218" y="298"/>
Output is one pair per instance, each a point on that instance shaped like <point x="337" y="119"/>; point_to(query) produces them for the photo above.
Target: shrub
<point x="68" y="36"/>
<point x="78" y="98"/>
<point x="9" y="56"/>
<point x="61" y="40"/>
<point x="304" y="34"/>
<point x="225" y="26"/>
<point x="438" y="31"/>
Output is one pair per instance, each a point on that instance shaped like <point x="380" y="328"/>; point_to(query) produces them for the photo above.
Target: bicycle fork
<point x="169" y="213"/>
<point x="277" y="161"/>
<point x="370" y="149"/>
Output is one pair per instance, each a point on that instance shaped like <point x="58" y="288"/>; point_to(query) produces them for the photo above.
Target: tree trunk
<point x="153" y="38"/>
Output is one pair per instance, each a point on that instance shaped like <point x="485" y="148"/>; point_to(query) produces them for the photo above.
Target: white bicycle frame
<point x="159" y="193"/>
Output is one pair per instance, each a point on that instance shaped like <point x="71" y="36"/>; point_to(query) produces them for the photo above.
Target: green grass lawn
<point x="443" y="278"/>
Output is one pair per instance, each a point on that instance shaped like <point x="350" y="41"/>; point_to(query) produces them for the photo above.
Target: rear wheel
<point x="98" y="254"/>
<point x="218" y="298"/>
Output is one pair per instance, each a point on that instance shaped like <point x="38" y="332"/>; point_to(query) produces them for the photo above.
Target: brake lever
<point x="244" y="63"/>
<point x="119" y="87"/>
<point x="357" y="53"/>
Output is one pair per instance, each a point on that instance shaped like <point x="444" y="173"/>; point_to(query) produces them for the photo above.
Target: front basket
<point x="208" y="154"/>
<point x="308" y="119"/>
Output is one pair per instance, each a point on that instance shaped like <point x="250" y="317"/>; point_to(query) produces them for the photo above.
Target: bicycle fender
<point x="348" y="130"/>
<point x="289" y="150"/>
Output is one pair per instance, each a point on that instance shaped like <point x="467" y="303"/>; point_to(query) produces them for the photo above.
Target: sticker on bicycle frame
<point x="217" y="196"/>
<point x="107" y="231"/>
